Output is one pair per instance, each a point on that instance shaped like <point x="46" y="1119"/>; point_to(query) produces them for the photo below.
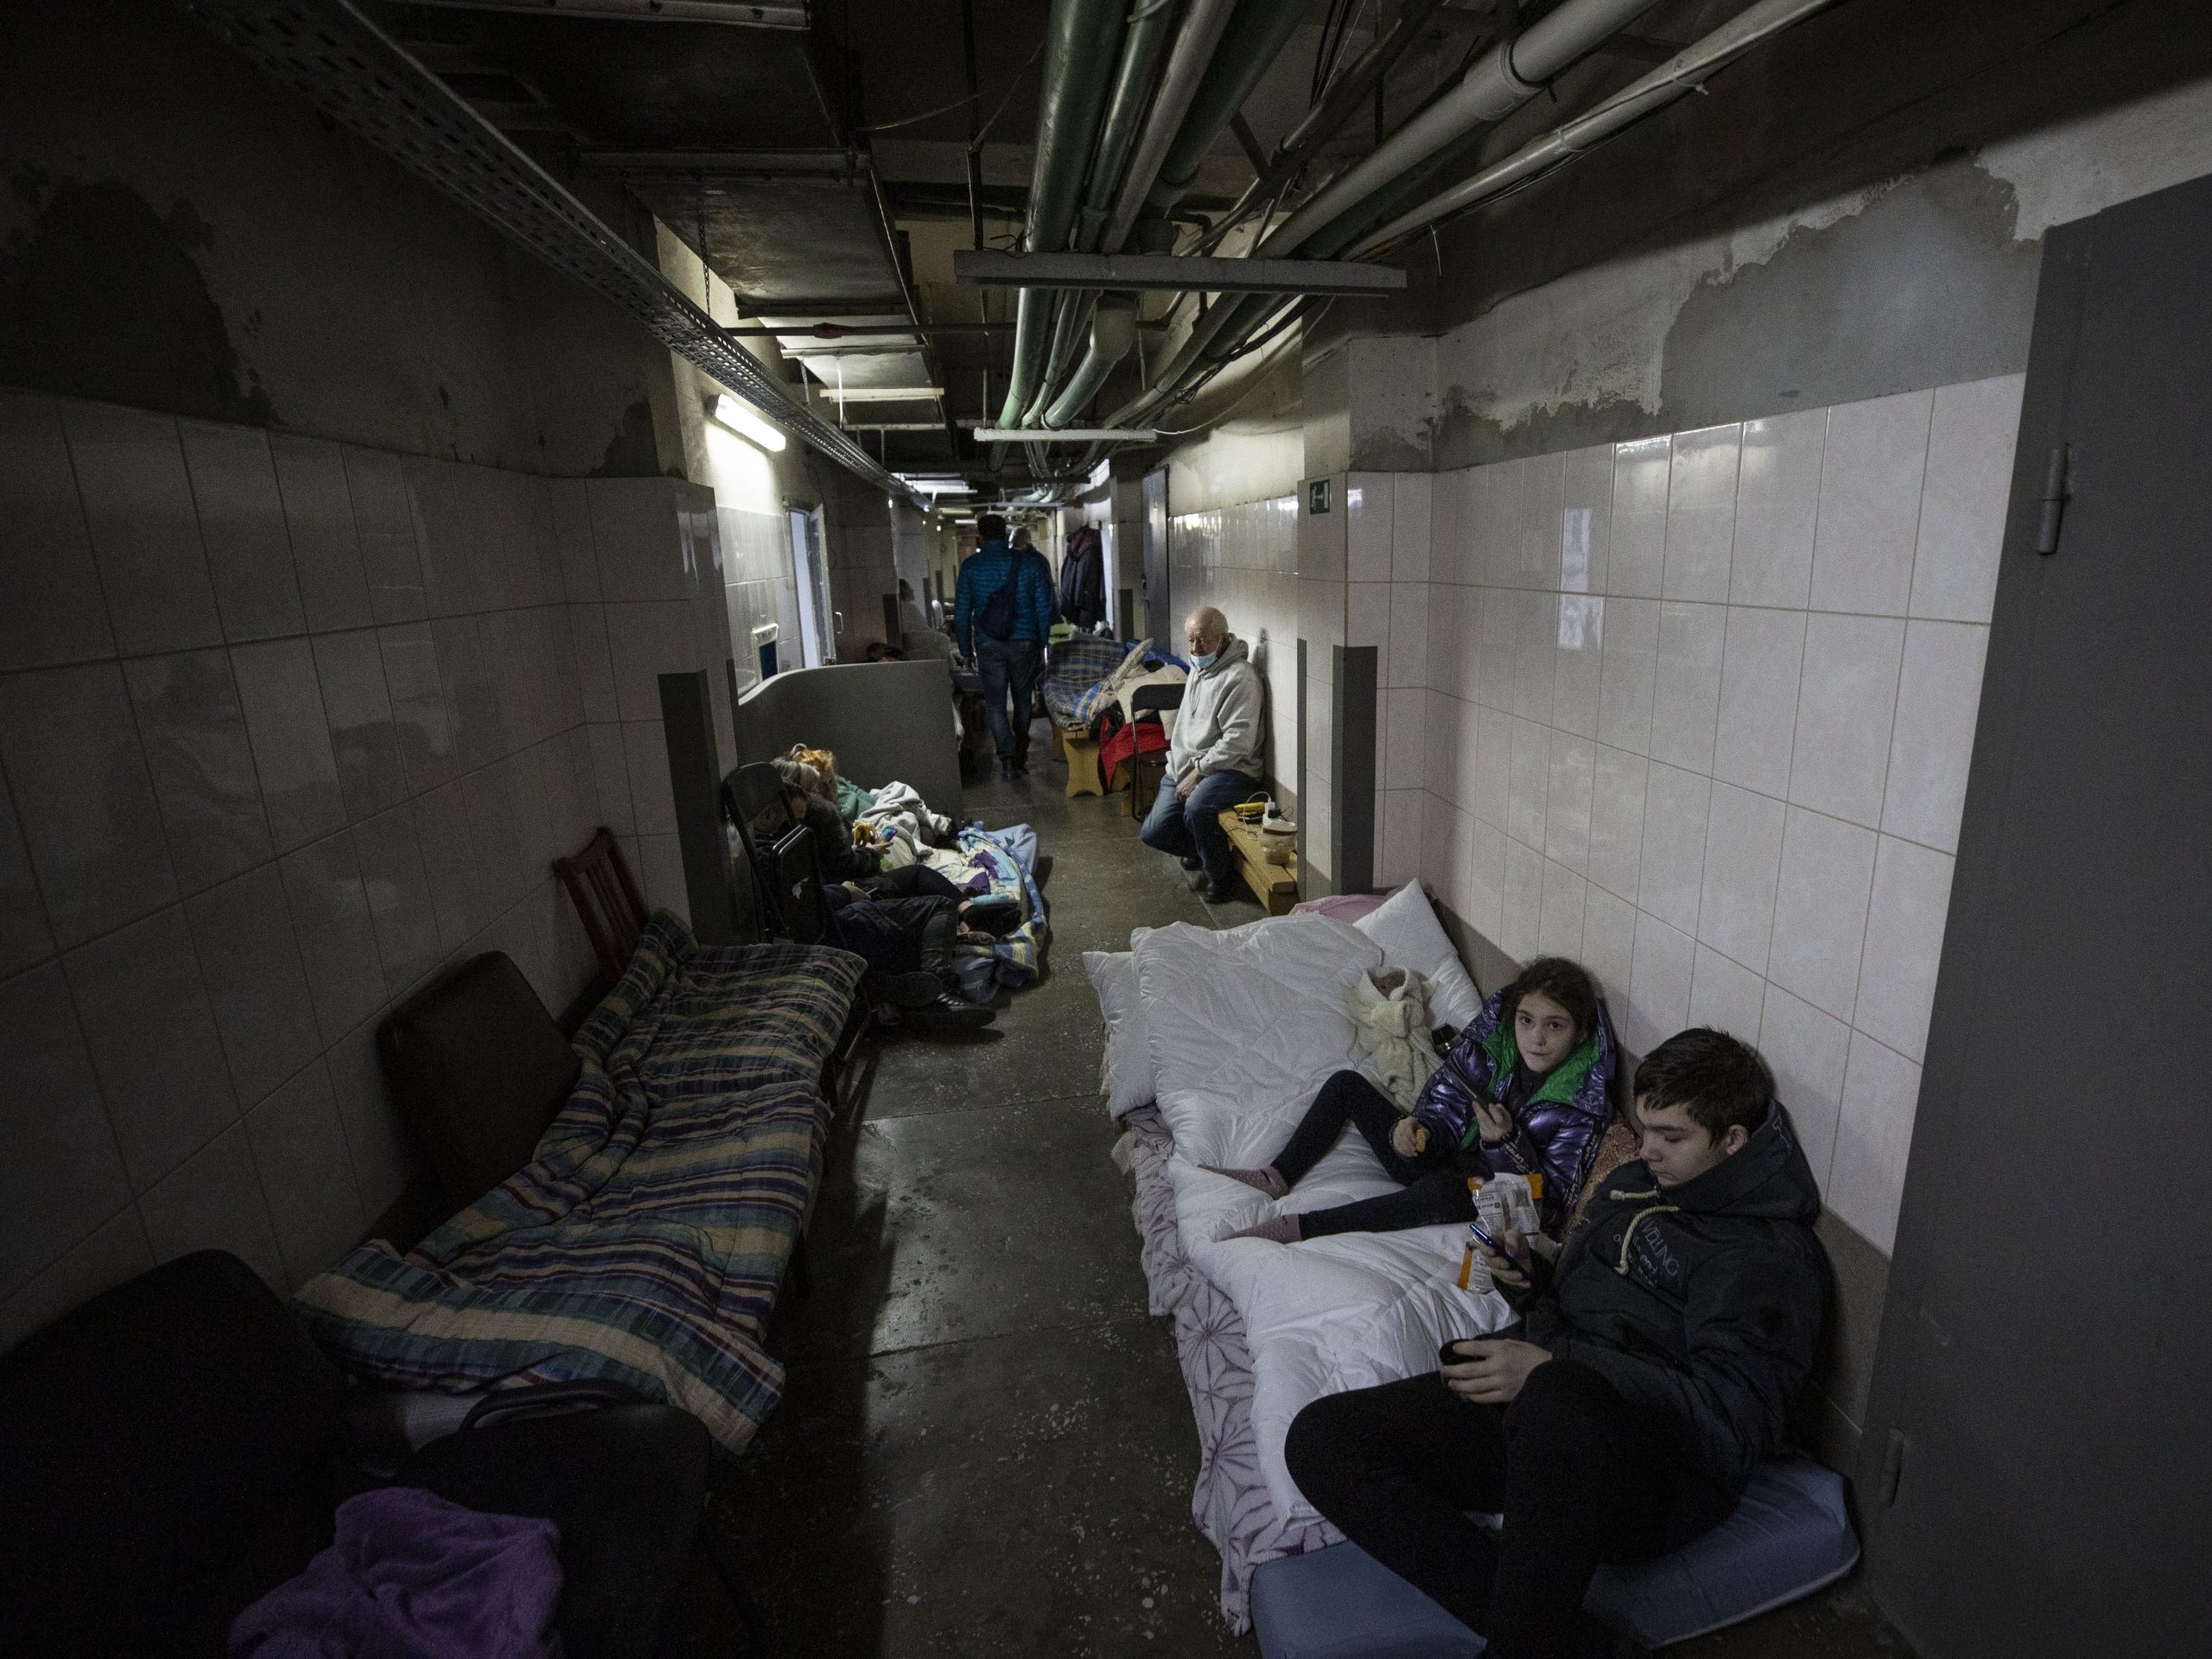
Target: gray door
<point x="2042" y="1402"/>
<point x="1160" y="619"/>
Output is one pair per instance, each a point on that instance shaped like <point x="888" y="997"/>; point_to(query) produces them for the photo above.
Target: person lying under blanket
<point x="1528" y="1088"/>
<point x="906" y="924"/>
<point x="1651" y="1369"/>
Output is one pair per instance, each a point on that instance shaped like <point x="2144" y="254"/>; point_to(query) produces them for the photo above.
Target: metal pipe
<point x="1113" y="331"/>
<point x="1080" y="35"/>
<point x="1125" y="113"/>
<point x="1203" y="26"/>
<point x="1677" y="78"/>
<point x="1255" y="36"/>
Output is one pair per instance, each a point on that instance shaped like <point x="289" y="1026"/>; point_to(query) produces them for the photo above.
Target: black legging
<point x="1435" y="1189"/>
<point x="910" y="882"/>
<point x="1581" y="1478"/>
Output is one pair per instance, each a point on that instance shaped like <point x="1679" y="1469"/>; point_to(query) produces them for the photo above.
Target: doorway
<point x="817" y="621"/>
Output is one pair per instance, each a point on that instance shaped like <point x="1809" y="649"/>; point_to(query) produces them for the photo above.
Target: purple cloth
<point x="1344" y="906"/>
<point x="411" y="1576"/>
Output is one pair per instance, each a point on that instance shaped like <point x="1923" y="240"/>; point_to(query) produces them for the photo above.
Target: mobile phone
<point x="1505" y="1255"/>
<point x="1449" y="1354"/>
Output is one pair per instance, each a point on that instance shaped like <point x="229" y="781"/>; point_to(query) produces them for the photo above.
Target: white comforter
<point x="1244" y="1027"/>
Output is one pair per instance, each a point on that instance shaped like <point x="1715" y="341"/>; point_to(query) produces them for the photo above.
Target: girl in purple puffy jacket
<point x="1526" y="1088"/>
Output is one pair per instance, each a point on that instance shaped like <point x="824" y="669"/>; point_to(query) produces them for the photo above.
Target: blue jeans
<point x="1192" y="828"/>
<point x="1008" y="665"/>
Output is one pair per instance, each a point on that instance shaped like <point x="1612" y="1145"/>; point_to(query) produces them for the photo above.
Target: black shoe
<point x="1220" y="893"/>
<point x="1193" y="864"/>
<point x="915" y="990"/>
<point x="1006" y="772"/>
<point x="996" y="915"/>
<point x="948" y="1012"/>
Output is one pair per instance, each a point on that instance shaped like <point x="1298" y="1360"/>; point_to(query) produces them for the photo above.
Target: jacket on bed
<point x="1702" y="1304"/>
<point x="1556" y="1134"/>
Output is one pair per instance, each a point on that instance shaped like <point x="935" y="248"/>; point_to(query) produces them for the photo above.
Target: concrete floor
<point x="984" y="1447"/>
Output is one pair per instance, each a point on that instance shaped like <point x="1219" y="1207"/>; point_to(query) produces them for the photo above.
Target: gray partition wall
<point x="884" y="721"/>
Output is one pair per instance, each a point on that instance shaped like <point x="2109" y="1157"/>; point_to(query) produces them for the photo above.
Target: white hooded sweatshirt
<point x="1218" y="728"/>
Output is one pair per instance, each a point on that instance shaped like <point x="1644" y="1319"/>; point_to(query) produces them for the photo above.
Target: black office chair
<point x="173" y="1451"/>
<point x="1145" y="771"/>
<point x="784" y="863"/>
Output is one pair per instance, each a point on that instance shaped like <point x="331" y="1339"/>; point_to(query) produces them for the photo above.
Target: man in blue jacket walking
<point x="1002" y="611"/>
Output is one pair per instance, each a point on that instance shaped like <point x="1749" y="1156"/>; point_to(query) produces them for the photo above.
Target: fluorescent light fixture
<point x="1066" y="435"/>
<point x="734" y="415"/>
<point x="876" y="394"/>
<point x="935" y="485"/>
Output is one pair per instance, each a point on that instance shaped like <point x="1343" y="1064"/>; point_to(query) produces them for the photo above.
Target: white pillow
<point x="1411" y="937"/>
<point x="1128" y="1081"/>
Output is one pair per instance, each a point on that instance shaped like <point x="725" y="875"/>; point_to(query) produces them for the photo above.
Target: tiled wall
<point x="761" y="587"/>
<point x="1244" y="560"/>
<point x="286" y="727"/>
<point x="1698" y="711"/>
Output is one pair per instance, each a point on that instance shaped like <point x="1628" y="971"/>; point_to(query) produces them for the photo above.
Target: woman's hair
<point x="823" y="765"/>
<point x="1568" y="983"/>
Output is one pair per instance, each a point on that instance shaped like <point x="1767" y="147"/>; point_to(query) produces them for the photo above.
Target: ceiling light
<point x="734" y="415"/>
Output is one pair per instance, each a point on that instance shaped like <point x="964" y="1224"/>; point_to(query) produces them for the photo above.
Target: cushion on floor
<point x="1788" y="1537"/>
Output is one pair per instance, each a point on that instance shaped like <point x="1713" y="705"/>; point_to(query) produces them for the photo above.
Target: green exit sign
<point x="1317" y="496"/>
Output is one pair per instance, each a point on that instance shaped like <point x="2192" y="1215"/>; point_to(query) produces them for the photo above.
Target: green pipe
<point x="1080" y="37"/>
<point x="1255" y="36"/>
<point x="1125" y="111"/>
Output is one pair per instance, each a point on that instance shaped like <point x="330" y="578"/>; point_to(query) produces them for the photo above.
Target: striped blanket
<point x="983" y="966"/>
<point x="646" y="1239"/>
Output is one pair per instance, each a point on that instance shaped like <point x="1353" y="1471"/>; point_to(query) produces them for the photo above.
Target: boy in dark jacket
<point x="1651" y="1368"/>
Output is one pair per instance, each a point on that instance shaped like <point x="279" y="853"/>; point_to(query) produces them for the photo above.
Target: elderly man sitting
<point x="1214" y="761"/>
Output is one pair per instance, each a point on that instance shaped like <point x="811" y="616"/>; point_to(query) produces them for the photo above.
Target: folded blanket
<point x="1390" y="1013"/>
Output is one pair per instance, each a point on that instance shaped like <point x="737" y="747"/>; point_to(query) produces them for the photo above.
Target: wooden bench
<point x="1275" y="885"/>
<point x="1080" y="750"/>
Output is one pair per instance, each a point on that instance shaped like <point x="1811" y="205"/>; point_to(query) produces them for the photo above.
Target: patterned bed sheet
<point x="1229" y="1502"/>
<point x="645" y="1239"/>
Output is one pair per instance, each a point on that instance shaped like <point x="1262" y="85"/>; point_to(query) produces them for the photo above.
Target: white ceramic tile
<point x="1368" y="501"/>
<point x="1755" y="728"/>
<point x="159" y="1059"/>
<point x="24" y="936"/>
<point x="1540" y="532"/>
<point x="374" y="1138"/>
<point x="73" y="757"/>
<point x="1659" y="987"/>
<point x="338" y="942"/>
<point x="1939" y="697"/>
<point x="1567" y="801"/>
<point x="51" y="608"/>
<point x="1410" y="517"/>
<point x="1440" y="825"/>
<point x="1536" y="658"/>
<point x="1970" y="447"/>
<point x="1743" y="860"/>
<point x="1725" y="995"/>
<point x="1701" y="513"/>
<point x="145" y="536"/>
<point x="197" y="754"/>
<point x="1846" y="697"/>
<point x="1585" y="519"/>
<point x="1630" y="659"/>
<point x="1408" y="659"/>
<point x="611" y="776"/>
<point x="594" y="666"/>
<point x="1778" y="500"/>
<point x="1636" y="564"/>
<point x="363" y="736"/>
<point x="471" y="681"/>
<point x="63" y="1173"/>
<point x="1870" y="504"/>
<point x="1401" y="844"/>
<point x="256" y="986"/>
<point x="1576" y="681"/>
<point x="1528" y="781"/>
<point x="645" y="641"/>
<point x="1686" y="683"/>
<point x="115" y="1252"/>
<point x="1449" y="507"/>
<point x="399" y="892"/>
<point x="1820" y="909"/>
<point x="384" y="518"/>
<point x="1519" y="925"/>
<point x="1405" y="717"/>
<point x="423" y="721"/>
<point x="1672" y="873"/>
<point x="214" y="1203"/>
<point x="1609" y="945"/>
<point x="572" y="531"/>
<point x="1881" y="1096"/>
<point x="497" y="835"/>
<point x="326" y="548"/>
<point x="1479" y="775"/>
<point x="1497" y="665"/>
<point x="1558" y="929"/>
<point x="242" y="526"/>
<point x="1484" y="906"/>
<point x="1367" y="620"/>
<point x="1904" y="945"/>
<point x="282" y="701"/>
<point x="1806" y="1050"/>
<point x="444" y="544"/>
<point x="307" y="1174"/>
<point x="1619" y="780"/>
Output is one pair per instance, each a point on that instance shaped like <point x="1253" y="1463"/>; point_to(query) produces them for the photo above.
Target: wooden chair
<point x="606" y="899"/>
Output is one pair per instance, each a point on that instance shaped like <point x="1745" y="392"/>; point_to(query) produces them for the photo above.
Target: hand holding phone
<point x="1503" y="1261"/>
